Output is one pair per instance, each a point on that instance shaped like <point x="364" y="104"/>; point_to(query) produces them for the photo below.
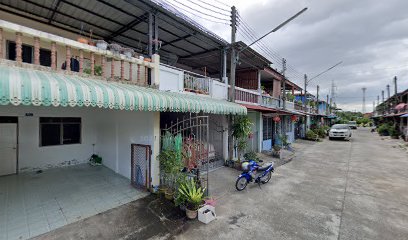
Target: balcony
<point x="196" y="83"/>
<point x="248" y="96"/>
<point x="271" y="102"/>
<point x="30" y="48"/>
<point x="179" y="80"/>
<point x="290" y="105"/>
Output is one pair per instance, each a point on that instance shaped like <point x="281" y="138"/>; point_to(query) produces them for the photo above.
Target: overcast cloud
<point x="370" y="37"/>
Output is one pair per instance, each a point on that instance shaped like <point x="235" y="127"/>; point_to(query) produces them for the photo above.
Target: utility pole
<point x="284" y="83"/>
<point x="382" y="94"/>
<point x="304" y="94"/>
<point x="327" y="104"/>
<point x="232" y="78"/>
<point x="233" y="57"/>
<point x="364" y="105"/>
<point x="317" y="98"/>
<point x="378" y="100"/>
<point x="395" y="86"/>
<point x="332" y="96"/>
<point x="283" y="95"/>
<point x="388" y="91"/>
<point x="373" y="107"/>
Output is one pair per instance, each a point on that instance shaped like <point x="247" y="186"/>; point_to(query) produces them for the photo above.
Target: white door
<point x="8" y="148"/>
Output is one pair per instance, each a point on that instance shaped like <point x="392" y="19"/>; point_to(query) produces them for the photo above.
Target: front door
<point x="8" y="148"/>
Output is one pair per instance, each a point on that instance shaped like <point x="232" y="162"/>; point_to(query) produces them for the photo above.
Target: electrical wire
<point x="222" y="3"/>
<point x="277" y="57"/>
<point x="200" y="12"/>
<point x="220" y="8"/>
<point x="211" y="9"/>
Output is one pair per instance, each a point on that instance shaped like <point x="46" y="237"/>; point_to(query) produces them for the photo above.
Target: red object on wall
<point x="276" y="119"/>
<point x="294" y="118"/>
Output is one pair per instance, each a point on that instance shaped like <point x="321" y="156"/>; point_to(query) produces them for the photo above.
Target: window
<point x="28" y="54"/>
<point x="59" y="131"/>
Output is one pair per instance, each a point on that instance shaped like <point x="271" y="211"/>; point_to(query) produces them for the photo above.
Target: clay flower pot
<point x="191" y="214"/>
<point x="83" y="40"/>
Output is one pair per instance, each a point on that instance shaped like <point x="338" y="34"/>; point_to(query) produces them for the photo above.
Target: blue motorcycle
<point x="252" y="171"/>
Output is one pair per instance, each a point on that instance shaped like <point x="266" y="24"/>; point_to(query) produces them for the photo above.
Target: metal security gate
<point x="195" y="144"/>
<point x="140" y="166"/>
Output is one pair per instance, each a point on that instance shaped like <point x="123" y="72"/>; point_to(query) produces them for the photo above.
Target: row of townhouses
<point x="394" y="111"/>
<point x="109" y="80"/>
<point x="65" y="96"/>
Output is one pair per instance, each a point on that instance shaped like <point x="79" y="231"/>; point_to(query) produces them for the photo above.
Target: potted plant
<point x="128" y="52"/>
<point x="101" y="44"/>
<point x="193" y="196"/>
<point x="115" y="48"/>
<point x="276" y="150"/>
<point x="241" y="129"/>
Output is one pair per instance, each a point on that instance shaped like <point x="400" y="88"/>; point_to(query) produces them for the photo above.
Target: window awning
<point x="22" y="86"/>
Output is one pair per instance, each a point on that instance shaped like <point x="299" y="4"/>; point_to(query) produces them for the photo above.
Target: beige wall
<point x="61" y="50"/>
<point x="276" y="88"/>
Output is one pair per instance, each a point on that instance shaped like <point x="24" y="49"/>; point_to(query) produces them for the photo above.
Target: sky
<point x="370" y="37"/>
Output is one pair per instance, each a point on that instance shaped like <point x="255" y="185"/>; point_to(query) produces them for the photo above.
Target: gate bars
<point x="195" y="141"/>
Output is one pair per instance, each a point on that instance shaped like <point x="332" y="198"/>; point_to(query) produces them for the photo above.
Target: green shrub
<point x="251" y="156"/>
<point x="321" y="131"/>
<point x="311" y="135"/>
<point x="385" y="129"/>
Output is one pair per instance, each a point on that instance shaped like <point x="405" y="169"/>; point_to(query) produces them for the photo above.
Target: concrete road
<point x="331" y="190"/>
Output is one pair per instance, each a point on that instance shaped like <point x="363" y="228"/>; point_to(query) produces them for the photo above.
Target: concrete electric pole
<point x="232" y="79"/>
<point x="233" y="57"/>
<point x="304" y="94"/>
<point x="364" y="105"/>
<point x="395" y="86"/>
<point x="284" y="83"/>
<point x="317" y="98"/>
<point x="327" y="105"/>
<point x="388" y="91"/>
<point x="382" y="94"/>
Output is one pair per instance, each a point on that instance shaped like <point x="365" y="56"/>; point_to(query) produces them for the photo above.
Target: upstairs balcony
<point x="29" y="48"/>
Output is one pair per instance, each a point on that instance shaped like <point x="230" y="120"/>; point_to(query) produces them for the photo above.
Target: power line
<point x="211" y="9"/>
<point x="188" y="19"/>
<point x="220" y="8"/>
<point x="174" y="8"/>
<point x="266" y="48"/>
<point x="222" y="3"/>
<point x="203" y="13"/>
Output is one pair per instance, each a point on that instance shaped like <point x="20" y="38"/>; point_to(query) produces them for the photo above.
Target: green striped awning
<point x="21" y="86"/>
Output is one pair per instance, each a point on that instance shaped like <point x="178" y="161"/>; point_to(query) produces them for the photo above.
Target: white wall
<point x="111" y="131"/>
<point x="117" y="130"/>
<point x="31" y="156"/>
<point x="219" y="90"/>
<point x="171" y="79"/>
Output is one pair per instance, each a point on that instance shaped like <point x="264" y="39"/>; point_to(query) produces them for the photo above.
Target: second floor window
<point x="28" y="54"/>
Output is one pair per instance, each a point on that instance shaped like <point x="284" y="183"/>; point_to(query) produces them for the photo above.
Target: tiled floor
<point x="32" y="204"/>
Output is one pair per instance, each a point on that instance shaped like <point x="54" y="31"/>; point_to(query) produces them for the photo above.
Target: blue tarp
<point x="405" y="115"/>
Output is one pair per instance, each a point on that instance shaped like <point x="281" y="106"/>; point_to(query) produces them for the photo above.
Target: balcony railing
<point x="44" y="51"/>
<point x="290" y="105"/>
<point x="299" y="107"/>
<point x="271" y="102"/>
<point x="245" y="95"/>
<point x="196" y="83"/>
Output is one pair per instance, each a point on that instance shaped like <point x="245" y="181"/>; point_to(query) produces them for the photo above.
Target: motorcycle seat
<point x="264" y="168"/>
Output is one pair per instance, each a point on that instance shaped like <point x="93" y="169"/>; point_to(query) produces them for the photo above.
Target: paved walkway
<point x="331" y="190"/>
<point x="35" y="203"/>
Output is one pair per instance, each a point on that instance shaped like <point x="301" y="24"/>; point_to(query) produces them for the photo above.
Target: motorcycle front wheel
<point x="241" y="183"/>
<point x="266" y="178"/>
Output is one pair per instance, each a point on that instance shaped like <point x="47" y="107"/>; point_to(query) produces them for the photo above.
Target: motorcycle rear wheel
<point x="266" y="178"/>
<point x="241" y="183"/>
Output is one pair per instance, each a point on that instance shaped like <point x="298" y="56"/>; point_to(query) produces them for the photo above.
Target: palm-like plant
<point x="192" y="193"/>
